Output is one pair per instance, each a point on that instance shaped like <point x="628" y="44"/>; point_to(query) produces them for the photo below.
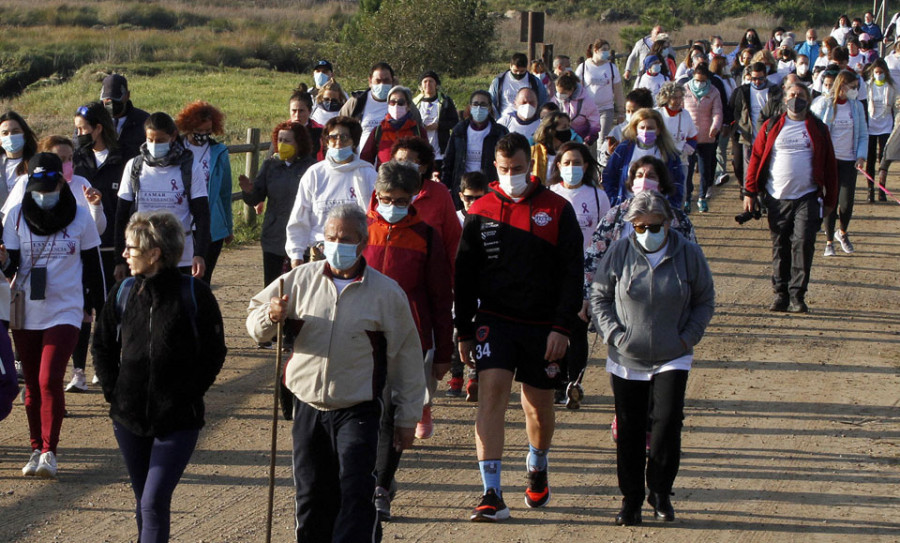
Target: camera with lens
<point x="756" y="214"/>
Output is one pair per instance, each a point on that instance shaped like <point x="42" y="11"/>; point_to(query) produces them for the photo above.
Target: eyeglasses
<point x="132" y="250"/>
<point x="469" y="198"/>
<point x="335" y="138"/>
<point x="641" y="228"/>
<point x="397" y="102"/>
<point x="42" y="175"/>
<point x="399" y="202"/>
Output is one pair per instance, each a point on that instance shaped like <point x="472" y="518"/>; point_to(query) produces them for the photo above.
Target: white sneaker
<point x="32" y="464"/>
<point x="95" y="380"/>
<point x="846" y="246"/>
<point x="829" y="249"/>
<point x="47" y="466"/>
<point x="78" y="382"/>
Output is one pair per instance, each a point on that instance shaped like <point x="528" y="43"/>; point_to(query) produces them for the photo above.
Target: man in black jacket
<point x="128" y="120"/>
<point x="518" y="293"/>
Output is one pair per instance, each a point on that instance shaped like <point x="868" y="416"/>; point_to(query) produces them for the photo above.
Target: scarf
<point x="50" y="221"/>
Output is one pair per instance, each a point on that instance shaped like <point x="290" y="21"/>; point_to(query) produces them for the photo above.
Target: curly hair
<point x="420" y="147"/>
<point x="301" y="136"/>
<point x="669" y="90"/>
<point x="197" y="113"/>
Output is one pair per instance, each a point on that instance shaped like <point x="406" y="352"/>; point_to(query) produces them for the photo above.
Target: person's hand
<point x="229" y="239"/>
<point x="245" y="183"/>
<point x="296" y="262"/>
<point x="556" y="346"/>
<point x="120" y="272"/>
<point x="585" y="313"/>
<point x="92" y="195"/>
<point x="403" y="438"/>
<point x="278" y="309"/>
<point x="260" y="207"/>
<point x="860" y="164"/>
<point x="436" y="176"/>
<point x="4" y="256"/>
<point x="627" y="74"/>
<point x="749" y="203"/>
<point x="438" y="371"/>
<point x="198" y="267"/>
<point x="465" y="352"/>
<point x="688" y="150"/>
<point x="713" y="132"/>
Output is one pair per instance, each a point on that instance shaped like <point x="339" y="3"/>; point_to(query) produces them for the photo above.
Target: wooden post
<point x="530" y="38"/>
<point x="250" y="170"/>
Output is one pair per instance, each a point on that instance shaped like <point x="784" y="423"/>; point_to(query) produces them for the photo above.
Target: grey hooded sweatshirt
<point x="649" y="316"/>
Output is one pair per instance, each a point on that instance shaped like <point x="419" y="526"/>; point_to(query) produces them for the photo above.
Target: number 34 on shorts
<point x="483" y="346"/>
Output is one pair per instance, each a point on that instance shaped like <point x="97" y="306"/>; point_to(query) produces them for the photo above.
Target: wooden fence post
<point x="250" y="170"/>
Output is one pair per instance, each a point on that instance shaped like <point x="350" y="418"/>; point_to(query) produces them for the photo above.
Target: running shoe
<point x="702" y="206"/>
<point x="538" y="492"/>
<point x="19" y="372"/>
<point x="614" y="428"/>
<point x="425" y="427"/>
<point x="31" y="466"/>
<point x="829" y="249"/>
<point x="491" y="509"/>
<point x="382" y="504"/>
<point x="721" y="180"/>
<point x="455" y="385"/>
<point x="95" y="380"/>
<point x="46" y="466"/>
<point x="78" y="382"/>
<point x="574" y="395"/>
<point x="686" y="207"/>
<point x="559" y="396"/>
<point x="472" y="390"/>
<point x="846" y="245"/>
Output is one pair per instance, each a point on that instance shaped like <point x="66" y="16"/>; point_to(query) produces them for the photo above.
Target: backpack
<point x="188" y="300"/>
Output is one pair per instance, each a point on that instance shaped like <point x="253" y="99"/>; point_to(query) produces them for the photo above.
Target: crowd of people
<point x="416" y="239"/>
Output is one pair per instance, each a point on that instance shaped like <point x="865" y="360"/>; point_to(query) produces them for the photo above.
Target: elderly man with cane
<point x="354" y="334"/>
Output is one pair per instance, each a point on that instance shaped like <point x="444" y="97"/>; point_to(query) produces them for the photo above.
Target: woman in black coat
<point x="158" y="346"/>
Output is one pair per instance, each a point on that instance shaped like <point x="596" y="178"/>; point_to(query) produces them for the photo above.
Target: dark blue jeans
<point x="704" y="161"/>
<point x="155" y="465"/>
<point x="334" y="465"/>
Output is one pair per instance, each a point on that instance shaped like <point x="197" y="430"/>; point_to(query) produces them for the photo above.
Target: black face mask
<point x="564" y="136"/>
<point x="797" y="105"/>
<point x="331" y="106"/>
<point x="201" y="139"/>
<point x="84" y="141"/>
<point x="517" y="76"/>
<point x="116" y="108"/>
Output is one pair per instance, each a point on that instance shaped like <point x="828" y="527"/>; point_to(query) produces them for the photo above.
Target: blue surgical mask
<point x="158" y="150"/>
<point x="571" y="175"/>
<point x="320" y="78"/>
<point x="391" y="213"/>
<point x="45" y="200"/>
<point x="339" y="155"/>
<point x="340" y="256"/>
<point x="380" y="91"/>
<point x="479" y="113"/>
<point x="651" y="242"/>
<point x="13" y="143"/>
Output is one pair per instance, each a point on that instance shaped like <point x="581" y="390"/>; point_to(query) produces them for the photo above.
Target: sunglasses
<point x="397" y="103"/>
<point x="42" y="175"/>
<point x="334" y="138"/>
<point x="653" y="228"/>
<point x="471" y="197"/>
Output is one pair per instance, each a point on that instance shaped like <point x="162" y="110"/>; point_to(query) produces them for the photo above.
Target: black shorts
<point x="519" y="348"/>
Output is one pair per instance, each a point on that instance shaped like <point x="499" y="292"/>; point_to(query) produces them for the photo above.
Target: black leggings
<point x="876" y="151"/>
<point x="846" y="174"/>
<point x="577" y="353"/>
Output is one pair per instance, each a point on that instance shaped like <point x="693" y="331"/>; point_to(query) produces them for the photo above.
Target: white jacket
<point x="349" y="344"/>
<point x="326" y="185"/>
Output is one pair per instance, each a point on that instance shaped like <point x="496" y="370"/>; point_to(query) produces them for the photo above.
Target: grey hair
<point x="649" y="202"/>
<point x="158" y="229"/>
<point x="405" y="90"/>
<point x="668" y="91"/>
<point x="396" y="175"/>
<point x="353" y="214"/>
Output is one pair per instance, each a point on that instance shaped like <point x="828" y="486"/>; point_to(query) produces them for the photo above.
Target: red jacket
<point x="377" y="150"/>
<point x="434" y="205"/>
<point x="412" y="253"/>
<point x="824" y="165"/>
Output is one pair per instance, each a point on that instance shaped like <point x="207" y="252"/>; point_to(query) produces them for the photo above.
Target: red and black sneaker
<point x="491" y="509"/>
<point x="538" y="492"/>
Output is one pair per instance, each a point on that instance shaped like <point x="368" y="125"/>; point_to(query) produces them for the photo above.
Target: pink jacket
<point x="705" y="113"/>
<point x="581" y="108"/>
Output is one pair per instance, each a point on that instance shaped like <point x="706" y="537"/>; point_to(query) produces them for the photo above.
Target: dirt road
<point x="792" y="429"/>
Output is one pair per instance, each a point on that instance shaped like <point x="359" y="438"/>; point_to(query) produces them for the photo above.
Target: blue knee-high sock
<point x="490" y="474"/>
<point x="537" y="458"/>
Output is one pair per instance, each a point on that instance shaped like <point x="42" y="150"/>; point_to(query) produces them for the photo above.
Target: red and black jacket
<point x="522" y="261"/>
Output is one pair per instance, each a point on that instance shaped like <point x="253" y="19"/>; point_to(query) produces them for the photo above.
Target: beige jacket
<point x="349" y="345"/>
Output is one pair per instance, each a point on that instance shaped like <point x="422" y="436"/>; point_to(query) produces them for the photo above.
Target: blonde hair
<point x="664" y="141"/>
<point x="844" y="78"/>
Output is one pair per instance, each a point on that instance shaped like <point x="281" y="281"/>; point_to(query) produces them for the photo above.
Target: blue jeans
<point x="704" y="160"/>
<point x="155" y="465"/>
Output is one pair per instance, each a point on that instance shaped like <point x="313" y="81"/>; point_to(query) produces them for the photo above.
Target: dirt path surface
<point x="792" y="430"/>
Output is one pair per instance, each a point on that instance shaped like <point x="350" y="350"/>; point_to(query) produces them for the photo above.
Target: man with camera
<point x="792" y="172"/>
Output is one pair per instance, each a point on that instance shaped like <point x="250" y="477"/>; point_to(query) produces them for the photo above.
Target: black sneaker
<point x="491" y="509"/>
<point x="538" y="492"/>
<point x="382" y="504"/>
<point x="780" y="304"/>
<point x="798" y="306"/>
<point x="559" y="396"/>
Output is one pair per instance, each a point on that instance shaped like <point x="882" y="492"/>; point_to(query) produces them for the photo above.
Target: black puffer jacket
<point x="106" y="179"/>
<point x="156" y="376"/>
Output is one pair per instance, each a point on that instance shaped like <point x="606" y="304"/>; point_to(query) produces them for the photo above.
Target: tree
<point x="448" y="36"/>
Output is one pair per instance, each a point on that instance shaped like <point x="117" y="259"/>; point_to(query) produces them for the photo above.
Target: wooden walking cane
<point x="278" y="345"/>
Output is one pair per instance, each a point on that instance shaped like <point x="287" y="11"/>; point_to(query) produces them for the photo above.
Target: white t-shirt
<point x="639" y="152"/>
<point x="430" y="112"/>
<point x="60" y="253"/>
<point x="201" y="161"/>
<point x="461" y="215"/>
<point x="893" y="63"/>
<point x="650" y="82"/>
<point x="77" y="185"/>
<point x="855" y="63"/>
<point x="11" y="176"/>
<point x="599" y="80"/>
<point x="590" y="205"/>
<point x="474" y="144"/>
<point x="372" y="116"/>
<point x="882" y="121"/>
<point x="840" y="34"/>
<point x="680" y="126"/>
<point x="510" y="89"/>
<point x="790" y="171"/>
<point x="513" y="124"/>
<point x="340" y="284"/>
<point x="681" y="363"/>
<point x="758" y="100"/>
<point x="162" y="189"/>
<point x="842" y="133"/>
<point x="101" y="156"/>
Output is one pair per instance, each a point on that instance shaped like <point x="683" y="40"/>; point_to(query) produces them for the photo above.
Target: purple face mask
<point x="646" y="137"/>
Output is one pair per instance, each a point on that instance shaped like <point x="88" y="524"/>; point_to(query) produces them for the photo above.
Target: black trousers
<point x="665" y="393"/>
<point x="846" y="174"/>
<point x="79" y="355"/>
<point x="212" y="257"/>
<point x="334" y="461"/>
<point x="273" y="267"/>
<point x="388" y="459"/>
<point x="876" y="151"/>
<point x="793" y="225"/>
<point x="577" y="353"/>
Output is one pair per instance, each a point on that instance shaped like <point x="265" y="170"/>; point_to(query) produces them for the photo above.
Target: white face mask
<point x="802" y="69"/>
<point x="525" y="111"/>
<point x="852" y="94"/>
<point x="513" y="185"/>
